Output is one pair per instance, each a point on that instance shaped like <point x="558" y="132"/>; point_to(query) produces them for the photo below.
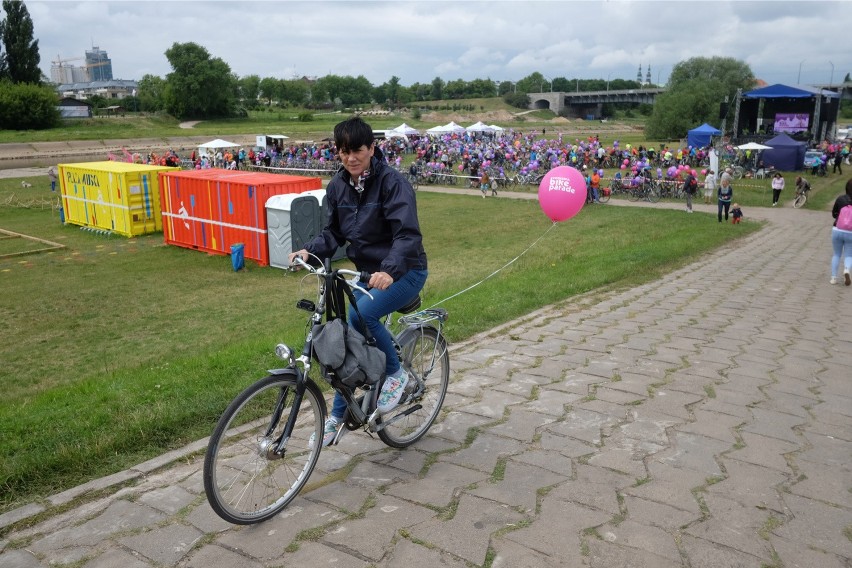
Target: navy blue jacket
<point x="380" y="223"/>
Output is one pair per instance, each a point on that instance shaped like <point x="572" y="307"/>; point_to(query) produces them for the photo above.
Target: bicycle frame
<point x="362" y="412"/>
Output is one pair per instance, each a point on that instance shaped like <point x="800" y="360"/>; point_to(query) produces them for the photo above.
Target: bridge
<point x="590" y="103"/>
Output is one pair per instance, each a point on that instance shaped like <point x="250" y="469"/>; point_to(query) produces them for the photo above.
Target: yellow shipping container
<point x="115" y="196"/>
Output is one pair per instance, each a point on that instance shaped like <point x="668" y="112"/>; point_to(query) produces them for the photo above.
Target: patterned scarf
<point x="359" y="187"/>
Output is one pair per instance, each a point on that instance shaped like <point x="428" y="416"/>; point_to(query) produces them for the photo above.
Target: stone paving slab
<point x="701" y="420"/>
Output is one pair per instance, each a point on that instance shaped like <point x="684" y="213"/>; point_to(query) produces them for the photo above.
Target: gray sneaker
<point x="329" y="432"/>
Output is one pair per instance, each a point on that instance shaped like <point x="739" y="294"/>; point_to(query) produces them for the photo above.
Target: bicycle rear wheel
<point x="800" y="200"/>
<point x="245" y="481"/>
<point x="427" y="361"/>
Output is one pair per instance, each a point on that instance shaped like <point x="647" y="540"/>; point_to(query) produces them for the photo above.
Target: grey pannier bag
<point x="345" y="351"/>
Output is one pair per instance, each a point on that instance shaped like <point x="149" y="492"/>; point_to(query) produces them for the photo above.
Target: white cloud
<point x="419" y="40"/>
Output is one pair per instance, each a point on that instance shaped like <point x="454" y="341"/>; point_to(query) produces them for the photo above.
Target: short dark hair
<point x="352" y="133"/>
<point x="849" y="187"/>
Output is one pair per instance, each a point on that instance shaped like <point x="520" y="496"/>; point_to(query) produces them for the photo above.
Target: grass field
<point x="286" y="121"/>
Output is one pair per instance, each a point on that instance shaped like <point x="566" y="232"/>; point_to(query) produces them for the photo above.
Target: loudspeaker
<point x="723" y="110"/>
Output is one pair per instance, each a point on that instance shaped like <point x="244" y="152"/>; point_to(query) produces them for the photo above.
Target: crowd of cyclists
<point x="506" y="159"/>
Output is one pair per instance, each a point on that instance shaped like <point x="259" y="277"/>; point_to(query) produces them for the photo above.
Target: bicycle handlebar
<point x="356" y="278"/>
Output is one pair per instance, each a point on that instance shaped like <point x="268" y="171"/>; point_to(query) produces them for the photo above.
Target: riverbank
<point x="46" y="154"/>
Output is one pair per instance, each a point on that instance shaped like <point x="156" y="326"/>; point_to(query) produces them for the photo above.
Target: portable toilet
<point x="119" y="197"/>
<point x="291" y="221"/>
<point x="320" y="195"/>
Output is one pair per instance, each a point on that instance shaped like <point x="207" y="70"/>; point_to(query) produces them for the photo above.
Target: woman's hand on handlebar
<point x="380" y="280"/>
<point x="302" y="254"/>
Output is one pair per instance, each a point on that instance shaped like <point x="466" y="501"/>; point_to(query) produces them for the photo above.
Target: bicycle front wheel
<point x="245" y="480"/>
<point x="633" y="194"/>
<point x="653" y="194"/>
<point x="800" y="200"/>
<point x="427" y="361"/>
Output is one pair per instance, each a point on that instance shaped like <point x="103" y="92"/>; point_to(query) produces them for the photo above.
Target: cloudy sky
<point x="783" y="41"/>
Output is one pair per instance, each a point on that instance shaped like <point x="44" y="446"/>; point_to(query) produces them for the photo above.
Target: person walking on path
<point x="777" y="187"/>
<point x="690" y="186"/>
<point x="838" y="162"/>
<point x="725" y="195"/>
<point x="709" y="186"/>
<point x="841" y="235"/>
<point x="51" y="173"/>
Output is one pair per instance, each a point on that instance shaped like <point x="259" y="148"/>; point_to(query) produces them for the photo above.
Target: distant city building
<point x="112" y="89"/>
<point x="99" y="65"/>
<point x="94" y="77"/>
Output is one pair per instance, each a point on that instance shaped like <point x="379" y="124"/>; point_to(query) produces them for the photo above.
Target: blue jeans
<point x="841" y="242"/>
<point x="372" y="311"/>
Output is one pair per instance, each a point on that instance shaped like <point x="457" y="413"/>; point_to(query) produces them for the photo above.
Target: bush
<point x="306" y="117"/>
<point x="24" y="106"/>
<point x="517" y="100"/>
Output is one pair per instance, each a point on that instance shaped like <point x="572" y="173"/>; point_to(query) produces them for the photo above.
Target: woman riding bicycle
<point x="372" y="207"/>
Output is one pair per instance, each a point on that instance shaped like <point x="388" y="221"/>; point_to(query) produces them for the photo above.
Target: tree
<point x="199" y="86"/>
<point x="20" y="62"/>
<point x="27" y="106"/>
<point x="696" y="87"/>
<point x="294" y="92"/>
<point x="455" y="89"/>
<point x="152" y="93"/>
<point x="437" y="89"/>
<point x="268" y="88"/>
<point x="532" y="83"/>
<point x="517" y="100"/>
<point x="249" y="88"/>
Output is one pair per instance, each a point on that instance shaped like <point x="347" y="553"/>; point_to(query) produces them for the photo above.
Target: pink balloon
<point x="562" y="193"/>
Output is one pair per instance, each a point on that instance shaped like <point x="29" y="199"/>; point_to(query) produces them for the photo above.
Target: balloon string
<point x="498" y="270"/>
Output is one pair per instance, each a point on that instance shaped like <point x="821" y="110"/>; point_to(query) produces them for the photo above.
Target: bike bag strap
<point x="338" y="290"/>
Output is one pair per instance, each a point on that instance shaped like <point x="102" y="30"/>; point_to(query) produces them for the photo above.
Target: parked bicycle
<point x="646" y="190"/>
<point x="261" y="453"/>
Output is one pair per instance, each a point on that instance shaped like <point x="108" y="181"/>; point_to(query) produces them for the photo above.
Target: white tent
<point x="435" y="130"/>
<point x="479" y="127"/>
<point x="405" y="129"/>
<point x="496" y="128"/>
<point x="453" y="127"/>
<point x="218" y="143"/>
<point x="754" y="146"/>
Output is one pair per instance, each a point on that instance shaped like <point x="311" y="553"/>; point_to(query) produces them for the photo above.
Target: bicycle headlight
<point x="284" y="352"/>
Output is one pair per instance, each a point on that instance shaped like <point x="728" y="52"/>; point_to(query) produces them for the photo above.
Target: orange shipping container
<point x="212" y="209"/>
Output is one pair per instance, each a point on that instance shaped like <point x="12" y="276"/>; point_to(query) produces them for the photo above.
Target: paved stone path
<point x="700" y="420"/>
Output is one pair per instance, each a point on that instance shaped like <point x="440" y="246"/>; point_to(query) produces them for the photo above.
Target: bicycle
<point x="260" y="455"/>
<point x="801" y="197"/>
<point x="645" y="190"/>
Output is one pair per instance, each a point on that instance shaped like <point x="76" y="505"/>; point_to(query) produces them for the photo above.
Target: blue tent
<point x="779" y="91"/>
<point x="786" y="154"/>
<point x="700" y="137"/>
